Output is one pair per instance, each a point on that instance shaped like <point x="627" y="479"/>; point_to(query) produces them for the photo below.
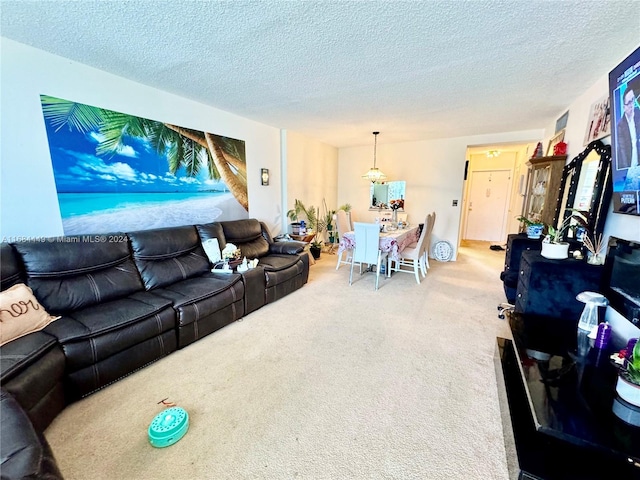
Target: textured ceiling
<point x="338" y="70"/>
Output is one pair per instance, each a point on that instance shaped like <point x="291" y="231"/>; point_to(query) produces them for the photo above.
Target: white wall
<point x="618" y="225"/>
<point x="311" y="173"/>
<point x="28" y="201"/>
<point x="433" y="170"/>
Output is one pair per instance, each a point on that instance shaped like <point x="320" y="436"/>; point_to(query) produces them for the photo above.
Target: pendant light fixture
<point x="374" y="175"/>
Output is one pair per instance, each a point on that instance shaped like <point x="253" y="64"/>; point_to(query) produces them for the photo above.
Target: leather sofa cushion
<point x="212" y="230"/>
<point x="24" y="453"/>
<point x="69" y="275"/>
<point x="10" y="268"/>
<point x="168" y="255"/>
<point x="107" y="317"/>
<point x="96" y="333"/>
<point x="276" y="263"/>
<point x="247" y="236"/>
<point x="287" y="248"/>
<point x="280" y="269"/>
<point x="203" y="295"/>
<point x="16" y="356"/>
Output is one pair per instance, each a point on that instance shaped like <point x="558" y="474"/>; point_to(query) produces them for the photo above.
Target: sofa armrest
<point x="289" y="248"/>
<point x="24" y="452"/>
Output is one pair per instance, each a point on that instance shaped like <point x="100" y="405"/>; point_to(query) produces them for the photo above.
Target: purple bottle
<point x="630" y="345"/>
<point x="603" y="336"/>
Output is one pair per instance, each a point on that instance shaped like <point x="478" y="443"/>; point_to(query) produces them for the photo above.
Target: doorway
<point x="495" y="167"/>
<point x="489" y="195"/>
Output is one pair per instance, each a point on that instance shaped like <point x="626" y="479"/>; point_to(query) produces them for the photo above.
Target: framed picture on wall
<point x="554" y="140"/>
<point x="561" y="123"/>
<point x="599" y="124"/>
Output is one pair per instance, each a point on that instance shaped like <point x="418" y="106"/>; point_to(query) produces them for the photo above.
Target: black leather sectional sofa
<point x="125" y="300"/>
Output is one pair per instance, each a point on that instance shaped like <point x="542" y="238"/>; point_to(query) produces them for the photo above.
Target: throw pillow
<point x="212" y="249"/>
<point x="21" y="313"/>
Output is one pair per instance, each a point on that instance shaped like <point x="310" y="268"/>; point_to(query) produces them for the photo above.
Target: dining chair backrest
<point x="423" y="235"/>
<point x="367" y="242"/>
<point x="428" y="228"/>
<point x="342" y="223"/>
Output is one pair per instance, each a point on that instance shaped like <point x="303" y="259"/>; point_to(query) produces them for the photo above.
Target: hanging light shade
<point x="374" y="174"/>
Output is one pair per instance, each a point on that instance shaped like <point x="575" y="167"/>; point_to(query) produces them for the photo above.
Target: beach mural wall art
<point x="118" y="172"/>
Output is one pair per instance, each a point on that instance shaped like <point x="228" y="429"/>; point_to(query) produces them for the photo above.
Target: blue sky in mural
<point x="135" y="168"/>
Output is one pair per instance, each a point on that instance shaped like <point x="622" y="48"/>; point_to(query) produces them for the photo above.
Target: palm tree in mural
<point x="223" y="157"/>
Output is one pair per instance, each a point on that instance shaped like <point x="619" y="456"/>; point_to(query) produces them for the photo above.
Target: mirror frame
<point x="602" y="188"/>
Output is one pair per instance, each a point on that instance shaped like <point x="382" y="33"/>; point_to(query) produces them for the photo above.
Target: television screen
<point x="622" y="278"/>
<point x="624" y="90"/>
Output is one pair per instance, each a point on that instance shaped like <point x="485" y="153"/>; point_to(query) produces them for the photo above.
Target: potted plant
<point x="315" y="223"/>
<point x="554" y="246"/>
<point x="628" y="386"/>
<point x="533" y="227"/>
<point x="293" y="216"/>
<point x="328" y="221"/>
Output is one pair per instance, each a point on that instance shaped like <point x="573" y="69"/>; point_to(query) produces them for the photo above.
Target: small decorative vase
<point x="534" y="231"/>
<point x="595" y="259"/>
<point x="394" y="217"/>
<point x="555" y="251"/>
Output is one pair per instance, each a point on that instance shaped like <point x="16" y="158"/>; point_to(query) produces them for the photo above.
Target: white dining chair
<point x="343" y="224"/>
<point x="427" y="241"/>
<point x="351" y="218"/>
<point x="413" y="257"/>
<point x="367" y="249"/>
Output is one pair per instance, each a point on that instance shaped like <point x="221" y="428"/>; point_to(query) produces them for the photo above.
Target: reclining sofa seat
<point x="32" y="366"/>
<point x="109" y="325"/>
<point x="174" y="266"/>
<point x="285" y="270"/>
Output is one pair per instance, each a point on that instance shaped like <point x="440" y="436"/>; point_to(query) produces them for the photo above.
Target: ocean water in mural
<point x="117" y="172"/>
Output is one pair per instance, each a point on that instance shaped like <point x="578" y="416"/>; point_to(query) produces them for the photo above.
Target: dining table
<point x="391" y="241"/>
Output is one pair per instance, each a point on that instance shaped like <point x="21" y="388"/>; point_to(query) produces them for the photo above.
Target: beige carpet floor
<point x="331" y="382"/>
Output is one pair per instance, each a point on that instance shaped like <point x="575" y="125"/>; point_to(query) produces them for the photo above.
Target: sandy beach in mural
<point x="169" y="214"/>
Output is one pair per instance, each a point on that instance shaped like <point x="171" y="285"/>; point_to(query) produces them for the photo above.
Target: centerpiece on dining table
<point x="396" y="205"/>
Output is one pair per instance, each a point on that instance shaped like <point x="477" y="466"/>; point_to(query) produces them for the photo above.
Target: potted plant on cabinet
<point x="309" y="213"/>
<point x="315" y="222"/>
<point x="554" y="246"/>
<point x="628" y="386"/>
<point x="532" y="227"/>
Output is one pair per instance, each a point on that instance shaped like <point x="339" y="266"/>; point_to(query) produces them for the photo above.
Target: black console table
<point x="549" y="287"/>
<point x="560" y="406"/>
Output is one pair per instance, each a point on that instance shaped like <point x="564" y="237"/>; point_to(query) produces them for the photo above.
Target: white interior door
<point x="488" y="205"/>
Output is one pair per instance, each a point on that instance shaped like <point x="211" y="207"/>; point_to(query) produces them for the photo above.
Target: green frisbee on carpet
<point x="168" y="427"/>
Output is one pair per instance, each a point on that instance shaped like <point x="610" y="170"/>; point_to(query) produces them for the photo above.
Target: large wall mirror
<point x="586" y="186"/>
<point x="381" y="194"/>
